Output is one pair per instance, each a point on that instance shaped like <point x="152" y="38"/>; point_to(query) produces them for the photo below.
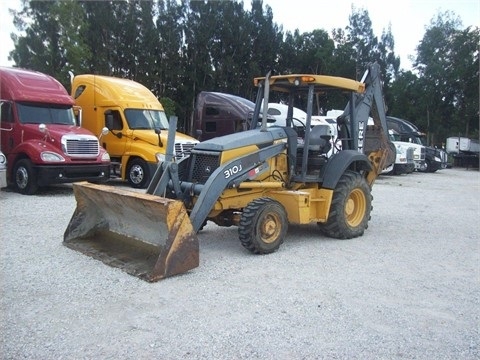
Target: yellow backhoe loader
<point x="259" y="180"/>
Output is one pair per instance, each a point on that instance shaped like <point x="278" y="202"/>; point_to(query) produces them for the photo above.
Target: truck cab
<point x="434" y="159"/>
<point x="39" y="137"/>
<point x="217" y="114"/>
<point x="405" y="154"/>
<point x="136" y="121"/>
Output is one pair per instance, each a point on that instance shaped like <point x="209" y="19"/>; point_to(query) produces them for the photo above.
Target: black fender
<point x="341" y="161"/>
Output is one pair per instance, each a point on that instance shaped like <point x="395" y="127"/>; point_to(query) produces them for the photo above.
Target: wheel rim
<point x="136" y="174"/>
<point x="21" y="177"/>
<point x="355" y="208"/>
<point x="270" y="228"/>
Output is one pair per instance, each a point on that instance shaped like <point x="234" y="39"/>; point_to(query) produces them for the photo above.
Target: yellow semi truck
<point x="137" y="124"/>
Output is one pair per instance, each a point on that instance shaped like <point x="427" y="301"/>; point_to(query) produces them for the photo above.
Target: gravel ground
<point x="407" y="289"/>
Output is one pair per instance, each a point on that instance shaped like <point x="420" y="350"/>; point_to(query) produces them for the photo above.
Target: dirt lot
<point x="407" y="289"/>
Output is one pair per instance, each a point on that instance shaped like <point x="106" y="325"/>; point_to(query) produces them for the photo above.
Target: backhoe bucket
<point x="145" y="235"/>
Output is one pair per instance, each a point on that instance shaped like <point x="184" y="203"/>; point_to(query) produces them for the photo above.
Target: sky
<point x="407" y="18"/>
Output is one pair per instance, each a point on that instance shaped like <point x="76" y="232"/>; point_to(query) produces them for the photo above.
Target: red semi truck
<point x="39" y="136"/>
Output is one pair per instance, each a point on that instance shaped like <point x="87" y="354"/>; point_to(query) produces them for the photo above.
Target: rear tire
<point x="350" y="208"/>
<point x="25" y="177"/>
<point x="263" y="226"/>
<point x="138" y="173"/>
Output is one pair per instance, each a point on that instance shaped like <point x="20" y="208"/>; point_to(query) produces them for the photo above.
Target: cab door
<point x="7" y="124"/>
<point x="115" y="141"/>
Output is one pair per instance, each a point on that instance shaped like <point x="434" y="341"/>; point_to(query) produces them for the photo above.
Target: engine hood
<point x="56" y="132"/>
<point x="149" y="136"/>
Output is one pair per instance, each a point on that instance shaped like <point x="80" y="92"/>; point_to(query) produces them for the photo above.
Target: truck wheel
<point x="425" y="168"/>
<point x="24" y="177"/>
<point x="138" y="173"/>
<point x="429" y="168"/>
<point x="263" y="226"/>
<point x="350" y="209"/>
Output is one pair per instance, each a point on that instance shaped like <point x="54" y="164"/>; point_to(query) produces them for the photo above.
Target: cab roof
<point x="103" y="90"/>
<point x="285" y="83"/>
<point x="26" y="85"/>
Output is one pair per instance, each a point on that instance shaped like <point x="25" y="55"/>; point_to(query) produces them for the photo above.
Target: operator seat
<point x="320" y="137"/>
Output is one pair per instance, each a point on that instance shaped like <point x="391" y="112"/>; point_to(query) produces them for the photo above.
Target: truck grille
<point x="183" y="149"/>
<point x="410" y="155"/>
<point x="443" y="156"/>
<point x="422" y="154"/>
<point x="203" y="166"/>
<point x="81" y="146"/>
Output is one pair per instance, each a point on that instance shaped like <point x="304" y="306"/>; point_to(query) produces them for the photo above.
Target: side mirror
<point x="104" y="132"/>
<point x="77" y="112"/>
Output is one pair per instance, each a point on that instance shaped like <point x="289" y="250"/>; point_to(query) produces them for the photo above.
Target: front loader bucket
<point x="147" y="236"/>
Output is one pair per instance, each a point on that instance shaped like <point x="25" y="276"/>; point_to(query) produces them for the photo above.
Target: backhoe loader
<point x="259" y="180"/>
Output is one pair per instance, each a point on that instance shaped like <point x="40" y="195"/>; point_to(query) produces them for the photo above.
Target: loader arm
<point x="216" y="184"/>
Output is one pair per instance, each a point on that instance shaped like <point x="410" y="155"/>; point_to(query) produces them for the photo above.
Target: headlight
<point x="160" y="157"/>
<point x="49" y="156"/>
<point x="437" y="159"/>
<point x="105" y="156"/>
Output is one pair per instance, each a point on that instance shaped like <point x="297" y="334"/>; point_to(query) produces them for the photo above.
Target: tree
<point x="99" y="35"/>
<point x="362" y="39"/>
<point x="177" y="48"/>
<point x="54" y="39"/>
<point x="344" y="54"/>
<point x="447" y="63"/>
<point x="406" y="98"/>
<point x="168" y="56"/>
<point x="313" y="53"/>
<point x="466" y="87"/>
<point x="265" y="41"/>
<point x="368" y="48"/>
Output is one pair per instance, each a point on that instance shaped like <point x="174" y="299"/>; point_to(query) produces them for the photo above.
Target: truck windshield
<point x="146" y="119"/>
<point x="45" y="114"/>
<point x="395" y="137"/>
<point x="413" y="138"/>
<point x="422" y="140"/>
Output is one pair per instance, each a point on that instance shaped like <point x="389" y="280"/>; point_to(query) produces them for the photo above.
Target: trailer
<point x="464" y="151"/>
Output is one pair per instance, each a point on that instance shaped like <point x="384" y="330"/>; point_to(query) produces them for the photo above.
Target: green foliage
<point x="54" y="39"/>
<point x="447" y="64"/>
<point x="169" y="106"/>
<point x="177" y="48"/>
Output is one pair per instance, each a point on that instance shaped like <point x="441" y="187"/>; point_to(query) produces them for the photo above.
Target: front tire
<point x="430" y="168"/>
<point x="138" y="173"/>
<point x="25" y="177"/>
<point x="263" y="226"/>
<point x="350" y="208"/>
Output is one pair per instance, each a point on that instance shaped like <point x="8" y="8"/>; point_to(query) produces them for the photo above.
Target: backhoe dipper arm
<point x="358" y="111"/>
